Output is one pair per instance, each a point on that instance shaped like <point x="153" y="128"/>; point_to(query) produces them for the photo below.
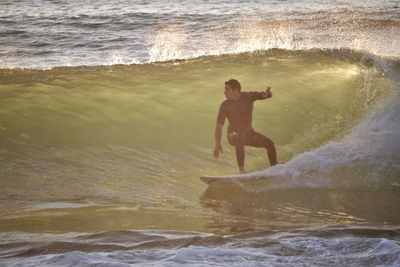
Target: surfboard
<point x="233" y="178"/>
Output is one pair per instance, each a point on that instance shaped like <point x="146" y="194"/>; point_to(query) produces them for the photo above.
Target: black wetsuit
<point x="240" y="132"/>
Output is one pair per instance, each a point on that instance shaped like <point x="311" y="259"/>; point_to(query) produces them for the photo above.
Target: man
<point x="238" y="109"/>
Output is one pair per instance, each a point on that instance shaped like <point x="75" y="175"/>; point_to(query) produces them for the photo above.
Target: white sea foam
<point x="283" y="249"/>
<point x="367" y="155"/>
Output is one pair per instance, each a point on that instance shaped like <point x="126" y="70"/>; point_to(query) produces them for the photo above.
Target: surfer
<point x="238" y="109"/>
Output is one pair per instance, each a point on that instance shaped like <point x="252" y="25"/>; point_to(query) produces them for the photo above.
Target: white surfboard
<point x="233" y="178"/>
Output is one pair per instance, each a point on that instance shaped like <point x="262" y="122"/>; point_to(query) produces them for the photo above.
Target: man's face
<point x="229" y="92"/>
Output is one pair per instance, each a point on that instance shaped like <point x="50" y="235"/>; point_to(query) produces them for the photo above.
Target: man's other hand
<point x="217" y="150"/>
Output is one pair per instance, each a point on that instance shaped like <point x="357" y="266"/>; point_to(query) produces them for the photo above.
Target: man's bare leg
<point x="240" y="157"/>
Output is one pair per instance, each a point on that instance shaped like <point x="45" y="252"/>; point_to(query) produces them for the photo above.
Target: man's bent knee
<point x="269" y="144"/>
<point x="233" y="138"/>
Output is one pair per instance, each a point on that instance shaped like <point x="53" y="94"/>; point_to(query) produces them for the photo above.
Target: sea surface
<point x="107" y="116"/>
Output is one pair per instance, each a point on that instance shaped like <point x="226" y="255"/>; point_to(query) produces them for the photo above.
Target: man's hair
<point x="234" y="84"/>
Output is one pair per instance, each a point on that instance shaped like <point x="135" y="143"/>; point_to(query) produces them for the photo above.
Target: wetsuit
<point x="240" y="132"/>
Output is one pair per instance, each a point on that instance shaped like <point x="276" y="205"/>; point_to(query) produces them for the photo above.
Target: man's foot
<point x="241" y="170"/>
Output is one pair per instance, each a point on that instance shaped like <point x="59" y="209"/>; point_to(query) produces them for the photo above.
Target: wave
<point x="333" y="118"/>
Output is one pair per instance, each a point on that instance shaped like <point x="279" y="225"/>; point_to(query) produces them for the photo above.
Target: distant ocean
<point x="107" y="113"/>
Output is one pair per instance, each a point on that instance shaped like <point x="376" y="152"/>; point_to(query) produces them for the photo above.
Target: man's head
<point x="232" y="89"/>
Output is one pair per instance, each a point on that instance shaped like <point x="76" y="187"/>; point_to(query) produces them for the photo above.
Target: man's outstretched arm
<point x="217" y="135"/>
<point x="262" y="95"/>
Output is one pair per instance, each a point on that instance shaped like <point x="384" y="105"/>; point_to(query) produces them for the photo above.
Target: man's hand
<point x="218" y="149"/>
<point x="268" y="92"/>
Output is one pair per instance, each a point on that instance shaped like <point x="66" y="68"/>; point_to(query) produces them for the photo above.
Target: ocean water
<point x="107" y="113"/>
